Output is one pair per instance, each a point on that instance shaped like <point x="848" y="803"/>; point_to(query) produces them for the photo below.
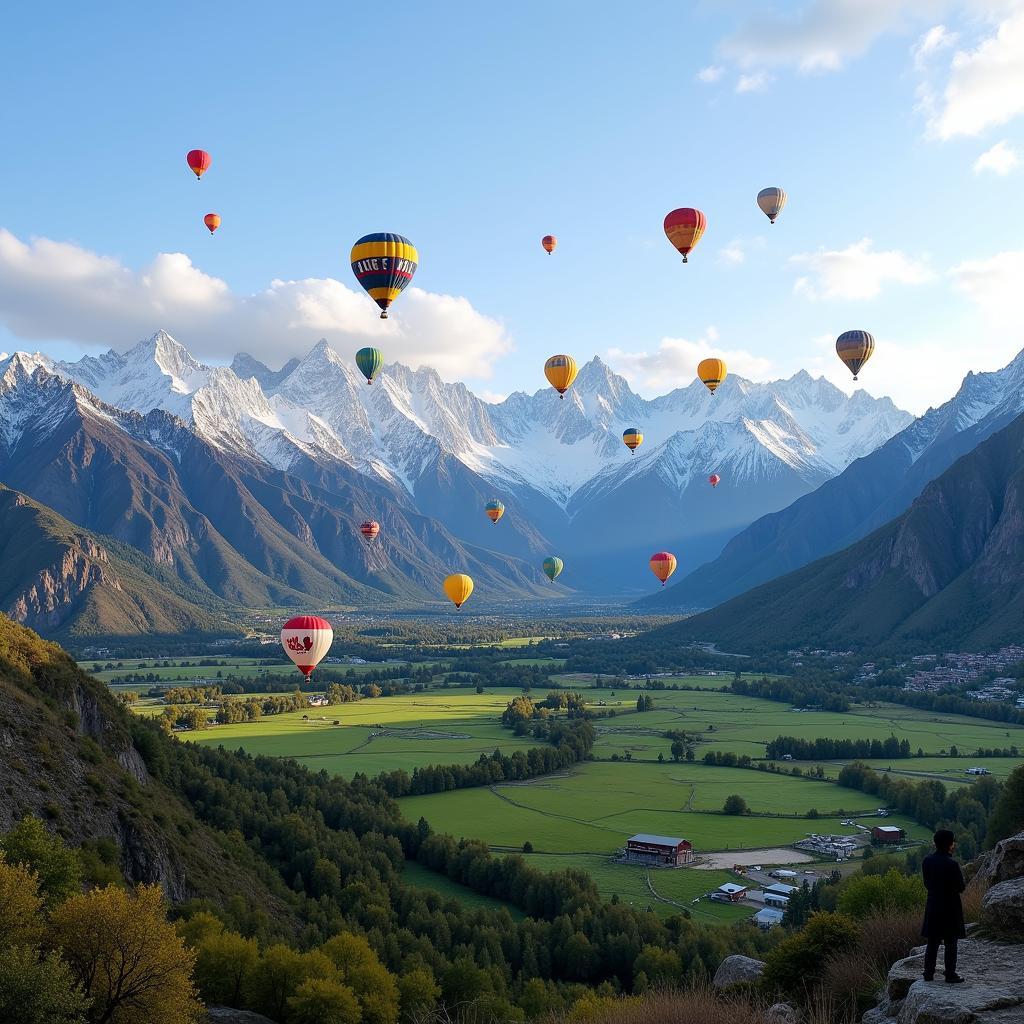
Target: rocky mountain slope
<point x="949" y="571"/>
<point x="870" y="492"/>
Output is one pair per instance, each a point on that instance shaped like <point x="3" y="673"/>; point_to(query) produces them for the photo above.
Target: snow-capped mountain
<point x="867" y="494"/>
<point x="559" y="466"/>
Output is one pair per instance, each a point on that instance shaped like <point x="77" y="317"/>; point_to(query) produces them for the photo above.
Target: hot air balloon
<point x="711" y="372"/>
<point x="714" y="479"/>
<point x="199" y="161"/>
<point x="369" y="361"/>
<point x="458" y="587"/>
<point x="632" y="438"/>
<point x="552" y="567"/>
<point x="549" y="242"/>
<point x="560" y="372"/>
<point x="684" y="228"/>
<point x="306" y="639"/>
<point x="369" y="529"/>
<point x="771" y="200"/>
<point x="494" y="510"/>
<point x="212" y="221"/>
<point x="384" y="264"/>
<point x="663" y="564"/>
<point x="855" y="348"/>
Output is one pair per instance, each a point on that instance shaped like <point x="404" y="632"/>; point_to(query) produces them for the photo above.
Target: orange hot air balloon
<point x="457" y="588"/>
<point x="494" y="510"/>
<point x="663" y="564"/>
<point x="549" y="242"/>
<point x="212" y="221"/>
<point x="711" y="372"/>
<point x="683" y="228"/>
<point x="199" y="161"/>
<point x="369" y="529"/>
<point x="714" y="479"/>
<point x="561" y="372"/>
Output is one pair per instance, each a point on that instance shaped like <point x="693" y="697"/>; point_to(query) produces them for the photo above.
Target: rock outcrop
<point x="1002" y="910"/>
<point x="738" y="970"/>
<point x="1005" y="861"/>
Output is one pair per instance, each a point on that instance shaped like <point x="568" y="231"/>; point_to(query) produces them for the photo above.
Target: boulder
<point x="229" y="1015"/>
<point x="1005" y="861"/>
<point x="1002" y="909"/>
<point x="738" y="970"/>
<point x="781" y="1013"/>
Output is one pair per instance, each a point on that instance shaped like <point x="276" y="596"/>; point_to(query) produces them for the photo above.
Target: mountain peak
<point x="170" y="356"/>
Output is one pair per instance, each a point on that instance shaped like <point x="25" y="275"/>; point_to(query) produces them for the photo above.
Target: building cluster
<point x="840" y="847"/>
<point x="958" y="670"/>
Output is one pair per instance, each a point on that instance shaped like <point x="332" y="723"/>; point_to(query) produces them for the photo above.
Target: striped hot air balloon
<point x="855" y="349"/>
<point x="553" y="567"/>
<point x="384" y="264"/>
<point x="369" y="361"/>
<point x="632" y="438"/>
<point x="369" y="529"/>
<point x="683" y="227"/>
<point x="306" y="639"/>
<point x="494" y="510"/>
<point x="457" y="588"/>
<point x="560" y="372"/>
<point x="663" y="564"/>
<point x="771" y="201"/>
<point x="711" y="373"/>
<point x="549" y="242"/>
<point x="212" y="221"/>
<point x="198" y="161"/>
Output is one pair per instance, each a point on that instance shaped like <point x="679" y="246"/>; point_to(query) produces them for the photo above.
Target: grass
<point x="423" y="878"/>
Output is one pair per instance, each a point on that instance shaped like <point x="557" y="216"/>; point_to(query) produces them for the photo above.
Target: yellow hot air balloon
<point x="632" y="438"/>
<point x="458" y="587"/>
<point x="560" y="372"/>
<point x="712" y="372"/>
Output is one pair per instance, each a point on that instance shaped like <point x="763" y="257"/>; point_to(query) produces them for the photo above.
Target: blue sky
<point x="894" y="125"/>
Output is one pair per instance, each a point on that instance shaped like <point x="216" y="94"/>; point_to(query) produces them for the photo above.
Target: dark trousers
<point x="931" y="954"/>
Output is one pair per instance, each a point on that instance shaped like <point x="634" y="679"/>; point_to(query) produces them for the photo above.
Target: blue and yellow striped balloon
<point x="384" y="264"/>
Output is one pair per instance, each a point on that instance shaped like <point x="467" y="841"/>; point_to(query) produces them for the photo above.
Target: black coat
<point x="943" y="913"/>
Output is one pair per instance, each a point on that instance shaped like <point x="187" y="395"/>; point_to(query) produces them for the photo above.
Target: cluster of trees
<point x="824" y="749"/>
<point x="522" y="712"/>
<point x="644" y="703"/>
<point x="800" y="691"/>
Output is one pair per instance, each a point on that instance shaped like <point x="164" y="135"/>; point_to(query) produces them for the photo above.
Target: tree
<point x="39" y="990"/>
<point x="125" y="955"/>
<point x="735" y="804"/>
<point x="323" y="1001"/>
<point x="225" y="963"/>
<point x="21" y="920"/>
<point x="797" y="962"/>
<point x="1008" y="814"/>
<point x="360" y="968"/>
<point x="678" y="750"/>
<point x="892" y="892"/>
<point x="57" y="867"/>
<point x="527" y="847"/>
<point x="417" y="992"/>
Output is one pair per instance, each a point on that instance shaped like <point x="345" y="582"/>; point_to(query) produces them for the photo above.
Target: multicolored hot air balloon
<point x="306" y="639"/>
<point x="714" y="479"/>
<point x="458" y="587"/>
<point x="369" y="361"/>
<point x="663" y="564"/>
<point x="552" y="567"/>
<point x="549" y="242"/>
<point x="684" y="228"/>
<point x="494" y="511"/>
<point x="771" y="201"/>
<point x="384" y="264"/>
<point x="632" y="438"/>
<point x="369" y="529"/>
<point x="199" y="161"/>
<point x="855" y="348"/>
<point x="711" y="373"/>
<point x="212" y="221"/>
<point x="561" y="372"/>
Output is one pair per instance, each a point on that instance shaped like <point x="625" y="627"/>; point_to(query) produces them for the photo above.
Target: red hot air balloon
<point x="663" y="564"/>
<point x="714" y="479"/>
<point x="199" y="161"/>
<point x="683" y="228"/>
<point x="549" y="242"/>
<point x="306" y="639"/>
<point x="369" y="529"/>
<point x="212" y="221"/>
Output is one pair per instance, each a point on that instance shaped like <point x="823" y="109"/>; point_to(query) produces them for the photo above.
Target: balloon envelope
<point x="306" y="639"/>
<point x="663" y="564"/>
<point x="494" y="510"/>
<point x="632" y="438"/>
<point x="771" y="201"/>
<point x="212" y="221"/>
<point x="855" y="349"/>
<point x="714" y="479"/>
<point x="458" y="587"/>
<point x="199" y="161"/>
<point x="369" y="529"/>
<point x="711" y="373"/>
<point x="560" y="372"/>
<point x="549" y="242"/>
<point x="683" y="228"/>
<point x="384" y="263"/>
<point x="369" y="361"/>
<point x="553" y="566"/>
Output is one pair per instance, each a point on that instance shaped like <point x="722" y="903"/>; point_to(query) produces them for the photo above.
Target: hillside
<point x="63" y="580"/>
<point x="947" y="573"/>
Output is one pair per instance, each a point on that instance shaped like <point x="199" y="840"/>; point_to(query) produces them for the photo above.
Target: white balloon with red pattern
<point x="306" y="639"/>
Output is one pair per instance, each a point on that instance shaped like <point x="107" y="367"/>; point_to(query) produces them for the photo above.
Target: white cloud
<point x="712" y="73"/>
<point x="60" y="291"/>
<point x="1000" y="159"/>
<point x="733" y="254"/>
<point x="985" y="86"/>
<point x="756" y="82"/>
<point x="994" y="286"/>
<point x="492" y="397"/>
<point x="823" y="35"/>
<point x="936" y="39"/>
<point x="856" y="272"/>
<point x="674" y="363"/>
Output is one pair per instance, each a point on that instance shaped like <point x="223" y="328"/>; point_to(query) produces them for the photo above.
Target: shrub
<point x="796" y="964"/>
<point x="735" y="804"/>
<point x="892" y="892"/>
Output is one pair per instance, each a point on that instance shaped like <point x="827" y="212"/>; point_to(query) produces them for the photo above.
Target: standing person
<point x="943" y="912"/>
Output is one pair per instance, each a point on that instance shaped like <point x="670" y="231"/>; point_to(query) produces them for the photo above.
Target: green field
<point x="423" y="878"/>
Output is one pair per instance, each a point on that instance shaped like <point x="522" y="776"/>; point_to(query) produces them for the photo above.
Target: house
<point x="730" y="892"/>
<point x="318" y="701"/>
<point x="977" y="771"/>
<point x="781" y="889"/>
<point x="644" y="848"/>
<point x="887" y="834"/>
<point x="783" y="873"/>
<point x="767" y="918"/>
<point x="775" y="899"/>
